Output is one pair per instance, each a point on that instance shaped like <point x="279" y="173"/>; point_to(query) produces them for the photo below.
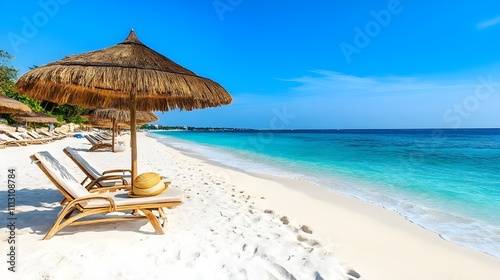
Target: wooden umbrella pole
<point x="113" y="123"/>
<point x="133" y="136"/>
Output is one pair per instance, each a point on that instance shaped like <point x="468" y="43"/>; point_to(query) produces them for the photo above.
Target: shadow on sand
<point x="36" y="210"/>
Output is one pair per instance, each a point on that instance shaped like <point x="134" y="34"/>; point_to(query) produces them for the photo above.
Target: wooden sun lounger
<point x="105" y="179"/>
<point x="39" y="137"/>
<point x="65" y="134"/>
<point x="97" y="139"/>
<point x="97" y="145"/>
<point x="18" y="136"/>
<point x="24" y="137"/>
<point x="6" y="141"/>
<point x="15" y="139"/>
<point x="52" y="135"/>
<point x="102" y="136"/>
<point x="83" y="203"/>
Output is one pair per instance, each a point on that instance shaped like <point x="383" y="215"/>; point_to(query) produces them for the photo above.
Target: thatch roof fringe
<point x="146" y="100"/>
<point x="97" y="78"/>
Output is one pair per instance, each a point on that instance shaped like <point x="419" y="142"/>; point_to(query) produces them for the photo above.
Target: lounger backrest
<point x="83" y="163"/>
<point x="33" y="135"/>
<point x="91" y="140"/>
<point x="61" y="175"/>
<point x="102" y="137"/>
<point x="16" y="135"/>
<point x="95" y="138"/>
<point x="36" y="134"/>
<point x="6" y="138"/>
<point x="47" y="134"/>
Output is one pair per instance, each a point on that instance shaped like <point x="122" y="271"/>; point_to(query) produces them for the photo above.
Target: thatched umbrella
<point x="107" y="124"/>
<point x="104" y="123"/>
<point x="115" y="117"/>
<point x="34" y="117"/>
<point x="120" y="115"/>
<point x="128" y="75"/>
<point x="10" y="106"/>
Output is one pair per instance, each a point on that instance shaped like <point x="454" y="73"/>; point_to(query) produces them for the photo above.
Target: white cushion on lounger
<point x="62" y="175"/>
<point x="96" y="174"/>
<point x="6" y="138"/>
<point x="121" y="198"/>
<point x="17" y="135"/>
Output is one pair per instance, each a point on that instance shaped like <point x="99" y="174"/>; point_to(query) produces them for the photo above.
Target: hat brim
<point x="149" y="192"/>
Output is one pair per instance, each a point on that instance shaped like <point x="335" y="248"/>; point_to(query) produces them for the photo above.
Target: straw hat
<point x="148" y="184"/>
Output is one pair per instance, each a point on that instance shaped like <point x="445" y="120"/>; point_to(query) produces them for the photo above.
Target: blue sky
<point x="294" y="64"/>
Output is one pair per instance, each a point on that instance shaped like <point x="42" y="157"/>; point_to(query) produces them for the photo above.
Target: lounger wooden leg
<point x="84" y="180"/>
<point x="56" y="227"/>
<point x="62" y="221"/>
<point x="154" y="221"/>
<point x="69" y="213"/>
<point x="163" y="217"/>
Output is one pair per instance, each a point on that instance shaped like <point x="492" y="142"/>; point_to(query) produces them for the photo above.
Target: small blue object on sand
<point x="78" y="136"/>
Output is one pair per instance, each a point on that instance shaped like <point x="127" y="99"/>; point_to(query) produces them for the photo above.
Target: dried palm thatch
<point x="10" y="106"/>
<point x="108" y="123"/>
<point x="34" y="118"/>
<point x="120" y="116"/>
<point x="106" y="77"/>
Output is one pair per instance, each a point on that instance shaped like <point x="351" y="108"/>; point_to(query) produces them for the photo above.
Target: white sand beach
<point x="231" y="225"/>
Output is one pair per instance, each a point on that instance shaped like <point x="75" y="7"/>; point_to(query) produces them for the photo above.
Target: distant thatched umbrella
<point x="113" y="117"/>
<point x="121" y="116"/>
<point x="34" y="117"/>
<point x="128" y="75"/>
<point x="10" y="106"/>
<point x="105" y="123"/>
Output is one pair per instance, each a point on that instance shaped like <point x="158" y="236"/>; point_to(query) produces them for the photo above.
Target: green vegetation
<point x="64" y="113"/>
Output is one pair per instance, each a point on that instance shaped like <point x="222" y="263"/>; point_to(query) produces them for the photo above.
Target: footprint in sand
<point x="248" y="251"/>
<point x="310" y="242"/>
<point x="306" y="229"/>
<point x="353" y="273"/>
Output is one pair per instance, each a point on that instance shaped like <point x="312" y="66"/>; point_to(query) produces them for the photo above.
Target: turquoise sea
<point x="447" y="181"/>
